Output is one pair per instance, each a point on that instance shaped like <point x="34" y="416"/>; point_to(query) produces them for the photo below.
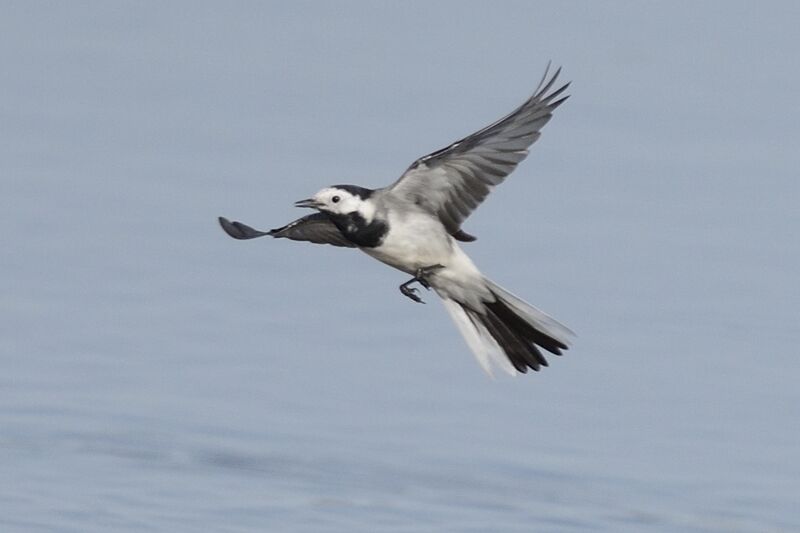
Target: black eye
<point x="335" y="199"/>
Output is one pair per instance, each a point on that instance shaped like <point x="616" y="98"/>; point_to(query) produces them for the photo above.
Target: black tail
<point x="519" y="338"/>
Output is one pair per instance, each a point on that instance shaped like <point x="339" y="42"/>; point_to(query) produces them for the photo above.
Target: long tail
<point x="508" y="332"/>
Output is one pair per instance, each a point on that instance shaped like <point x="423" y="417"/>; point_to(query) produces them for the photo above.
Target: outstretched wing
<point x="452" y="182"/>
<point x="316" y="228"/>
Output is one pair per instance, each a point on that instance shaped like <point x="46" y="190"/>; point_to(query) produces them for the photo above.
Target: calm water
<point x="156" y="375"/>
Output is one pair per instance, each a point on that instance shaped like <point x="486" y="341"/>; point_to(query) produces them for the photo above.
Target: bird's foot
<point x="410" y="292"/>
<point x="421" y="278"/>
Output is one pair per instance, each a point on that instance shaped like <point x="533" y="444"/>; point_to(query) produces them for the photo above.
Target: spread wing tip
<point x="240" y="231"/>
<point x="546" y="83"/>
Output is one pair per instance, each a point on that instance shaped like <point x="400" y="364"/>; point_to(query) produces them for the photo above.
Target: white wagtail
<point x="413" y="225"/>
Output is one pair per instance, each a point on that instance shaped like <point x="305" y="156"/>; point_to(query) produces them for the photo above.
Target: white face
<point x="338" y="201"/>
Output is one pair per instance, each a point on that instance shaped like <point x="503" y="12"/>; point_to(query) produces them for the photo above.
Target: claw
<point x="420" y="277"/>
<point x="411" y="293"/>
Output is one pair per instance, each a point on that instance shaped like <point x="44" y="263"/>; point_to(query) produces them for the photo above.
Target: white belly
<point x="419" y="241"/>
<point x="414" y="241"/>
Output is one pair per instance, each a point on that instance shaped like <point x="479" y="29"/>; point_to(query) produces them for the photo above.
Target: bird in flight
<point x="414" y="225"/>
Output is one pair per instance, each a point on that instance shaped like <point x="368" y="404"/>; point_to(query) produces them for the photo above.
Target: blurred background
<point x="158" y="375"/>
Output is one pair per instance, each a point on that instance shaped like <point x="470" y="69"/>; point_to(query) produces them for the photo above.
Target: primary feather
<point x="450" y="183"/>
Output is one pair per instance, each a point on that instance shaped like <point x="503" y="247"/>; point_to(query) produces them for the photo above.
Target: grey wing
<point x="452" y="182"/>
<point x="316" y="228"/>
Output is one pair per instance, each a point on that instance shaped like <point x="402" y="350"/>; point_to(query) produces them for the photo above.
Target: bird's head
<point x="341" y="200"/>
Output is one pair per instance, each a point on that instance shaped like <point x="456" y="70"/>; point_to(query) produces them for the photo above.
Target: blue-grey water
<point x="156" y="375"/>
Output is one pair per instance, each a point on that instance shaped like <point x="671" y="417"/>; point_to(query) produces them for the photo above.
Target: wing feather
<point x="453" y="181"/>
<point x="316" y="228"/>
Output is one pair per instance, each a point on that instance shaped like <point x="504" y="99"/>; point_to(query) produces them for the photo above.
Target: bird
<point x="414" y="225"/>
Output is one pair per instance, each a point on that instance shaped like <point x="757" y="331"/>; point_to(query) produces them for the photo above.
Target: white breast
<point x="415" y="240"/>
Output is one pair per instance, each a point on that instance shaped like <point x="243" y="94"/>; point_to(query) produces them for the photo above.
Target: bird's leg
<point x="422" y="274"/>
<point x="419" y="277"/>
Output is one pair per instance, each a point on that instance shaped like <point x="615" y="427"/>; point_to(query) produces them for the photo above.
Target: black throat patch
<point x="358" y="231"/>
